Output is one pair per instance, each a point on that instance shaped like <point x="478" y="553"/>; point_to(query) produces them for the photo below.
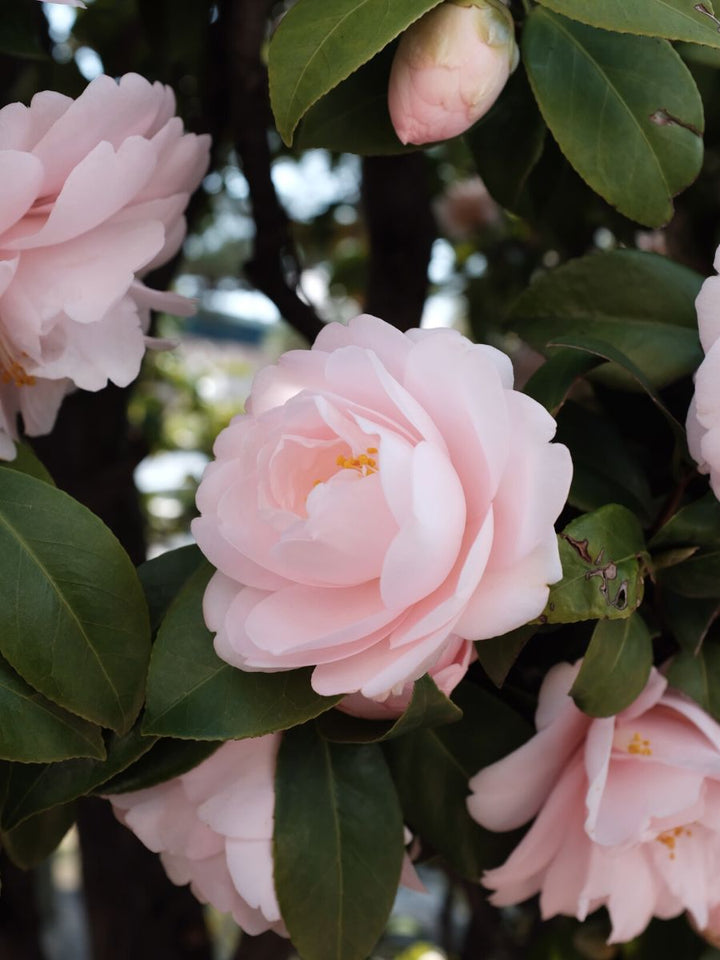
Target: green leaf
<point x="689" y="620"/>
<point x="605" y="468"/>
<point x="498" y="654"/>
<point x="697" y="577"/>
<point x="166" y="759"/>
<point x="35" y="730"/>
<point x="73" y="619"/>
<point x="162" y="578"/>
<point x="603" y="559"/>
<point x="696" y="524"/>
<point x="193" y="694"/>
<point x="32" y="787"/>
<point x="427" y="708"/>
<point x="641" y="303"/>
<point x="508" y="141"/>
<point x="672" y="19"/>
<point x="27" y="462"/>
<point x="698" y="675"/>
<point x="624" y="110"/>
<point x="353" y="117"/>
<point x="337" y="846"/>
<point x="431" y="769"/>
<point x="615" y="668"/>
<point x="601" y="348"/>
<point x="317" y="45"/>
<point x="33" y="841"/>
<point x="552" y="382"/>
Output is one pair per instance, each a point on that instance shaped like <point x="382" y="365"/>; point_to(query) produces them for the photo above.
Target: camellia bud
<point x="449" y="69"/>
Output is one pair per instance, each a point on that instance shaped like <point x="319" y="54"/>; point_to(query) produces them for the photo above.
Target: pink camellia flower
<point x="449" y="69"/>
<point x="387" y="496"/>
<point x="465" y="207"/>
<point x="213" y="829"/>
<point x="628" y="809"/>
<point x="68" y="3"/>
<point x="92" y="196"/>
<point x="703" y="421"/>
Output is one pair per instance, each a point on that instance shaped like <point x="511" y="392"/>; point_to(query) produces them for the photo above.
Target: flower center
<point x="639" y="746"/>
<point x="365" y="464"/>
<point x="669" y="839"/>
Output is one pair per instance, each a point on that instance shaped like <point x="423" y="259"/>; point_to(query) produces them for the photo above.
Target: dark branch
<point x="273" y="268"/>
<point x="401" y="229"/>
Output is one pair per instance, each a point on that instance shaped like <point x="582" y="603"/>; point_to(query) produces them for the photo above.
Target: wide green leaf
<point x="163" y="576"/>
<point x="641" y="303"/>
<point x="624" y="110"/>
<point x="498" y="654"/>
<point x="689" y="620"/>
<point x="193" y="694"/>
<point x="337" y="847"/>
<point x="429" y="707"/>
<point x="36" y="730"/>
<point x="431" y="769"/>
<point x="606" y="469"/>
<point x="604" y="561"/>
<point x="26" y="461"/>
<point x="73" y="618"/>
<point x="33" y="841"/>
<point x="508" y="141"/>
<point x="698" y="675"/>
<point x="615" y="668"/>
<point x="551" y="383"/>
<point x="699" y="576"/>
<point x="353" y="117"/>
<point x="166" y="759"/>
<point x="34" y="787"/>
<point x="695" y="524"/>
<point x="318" y="44"/>
<point x="672" y="19"/>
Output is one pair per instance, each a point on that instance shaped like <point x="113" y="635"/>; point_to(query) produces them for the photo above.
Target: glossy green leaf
<point x="33" y="841"/>
<point x="697" y="577"/>
<point x="27" y="462"/>
<point x="337" y="847"/>
<point x="166" y="759"/>
<point x="624" y="110"/>
<point x="689" y="620"/>
<point x="698" y="676"/>
<point x="696" y="524"/>
<point x="615" y="668"/>
<point x="429" y="707"/>
<point x="73" y="619"/>
<point x="192" y="694"/>
<point x="552" y="382"/>
<point x="36" y="730"/>
<point x="431" y="769"/>
<point x="605" y="468"/>
<point x="672" y="19"/>
<point x="642" y="304"/>
<point x="604" y="561"/>
<point x="317" y="45"/>
<point x="32" y="787"/>
<point x="353" y="117"/>
<point x="508" y="141"/>
<point x="163" y="576"/>
<point x="498" y="654"/>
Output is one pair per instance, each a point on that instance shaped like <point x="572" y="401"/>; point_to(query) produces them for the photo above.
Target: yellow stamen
<point x="364" y="465"/>
<point x="639" y="746"/>
<point x="670" y="838"/>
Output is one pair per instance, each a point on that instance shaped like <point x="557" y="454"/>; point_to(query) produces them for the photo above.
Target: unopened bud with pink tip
<point x="449" y="69"/>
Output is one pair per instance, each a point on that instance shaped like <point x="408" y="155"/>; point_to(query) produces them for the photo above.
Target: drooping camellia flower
<point x="92" y="196"/>
<point x="703" y="422"/>
<point x="449" y="69"/>
<point x="384" y="495"/>
<point x="628" y="809"/>
<point x="213" y="829"/>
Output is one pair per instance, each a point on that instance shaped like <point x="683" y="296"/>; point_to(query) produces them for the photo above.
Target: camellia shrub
<point x="451" y="597"/>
